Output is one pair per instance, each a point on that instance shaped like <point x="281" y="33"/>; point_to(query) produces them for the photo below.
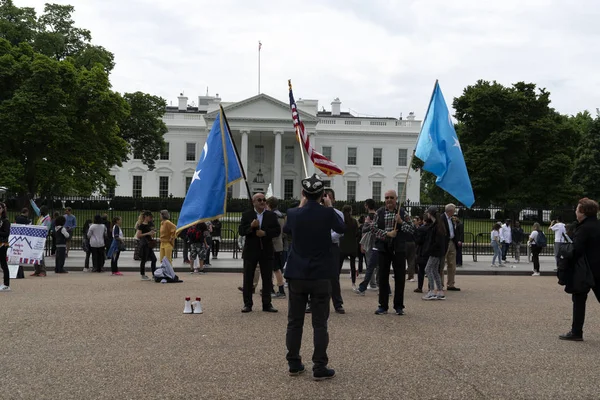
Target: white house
<point x="373" y="152"/>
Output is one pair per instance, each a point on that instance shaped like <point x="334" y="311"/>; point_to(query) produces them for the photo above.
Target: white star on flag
<point x="196" y="176"/>
<point x="456" y="143"/>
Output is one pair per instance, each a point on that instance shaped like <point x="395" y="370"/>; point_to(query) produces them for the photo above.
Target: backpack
<point x="541" y="241"/>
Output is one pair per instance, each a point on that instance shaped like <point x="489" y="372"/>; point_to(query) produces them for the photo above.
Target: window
<point x="164" y="155"/>
<point x="110" y="190"/>
<point x="137" y="186"/>
<point x="188" y="182"/>
<point x="327" y="183"/>
<point x="289" y="155"/>
<point x="400" y="189"/>
<point x="377" y="156"/>
<point x="288" y="189"/>
<point x="326" y="150"/>
<point x="351" y="191"/>
<point x="377" y="191"/>
<point x="402" y="157"/>
<point x="259" y="154"/>
<point x="190" y="151"/>
<point x="163" y="186"/>
<point x="351" y="155"/>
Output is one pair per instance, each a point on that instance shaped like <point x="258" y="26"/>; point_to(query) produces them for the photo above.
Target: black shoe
<point x="399" y="311"/>
<point x="340" y="310"/>
<point x="241" y="289"/>
<point x="295" y="371"/>
<point x="570" y="336"/>
<point x="308" y="310"/>
<point x="322" y="374"/>
<point x="418" y="290"/>
<point x="246" y="309"/>
<point x="269" y="309"/>
<point x="453" y="289"/>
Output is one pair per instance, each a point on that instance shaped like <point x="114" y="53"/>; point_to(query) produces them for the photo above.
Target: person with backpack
<point x="537" y="241"/>
<point x="196" y="236"/>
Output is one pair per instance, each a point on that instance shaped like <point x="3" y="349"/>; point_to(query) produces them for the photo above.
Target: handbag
<point x="565" y="263"/>
<point x="122" y="246"/>
<point x="582" y="279"/>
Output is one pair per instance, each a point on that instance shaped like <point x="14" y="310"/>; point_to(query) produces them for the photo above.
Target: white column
<point x="310" y="167"/>
<point x="277" y="165"/>
<point x="244" y="160"/>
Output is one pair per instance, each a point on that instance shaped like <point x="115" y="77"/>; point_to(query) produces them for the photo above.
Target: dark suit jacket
<point x="255" y="247"/>
<point x="445" y="219"/>
<point x="310" y="256"/>
<point x="587" y="241"/>
<point x="459" y="232"/>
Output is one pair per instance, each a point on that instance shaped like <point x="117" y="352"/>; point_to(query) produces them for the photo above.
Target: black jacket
<point x="4" y="230"/>
<point x="436" y="243"/>
<point x="22" y="219"/>
<point x="256" y="247"/>
<point x="587" y="242"/>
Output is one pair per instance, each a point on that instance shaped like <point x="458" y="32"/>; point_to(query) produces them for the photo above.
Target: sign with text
<point x="26" y="244"/>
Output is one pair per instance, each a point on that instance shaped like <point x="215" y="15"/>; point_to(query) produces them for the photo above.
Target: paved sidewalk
<point x="226" y="263"/>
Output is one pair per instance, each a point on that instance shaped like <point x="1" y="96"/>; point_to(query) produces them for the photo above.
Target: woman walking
<point x="4" y="234"/>
<point x="96" y="234"/>
<point x="434" y="250"/>
<point x="534" y="240"/>
<point x="495" y="237"/>
<point x="348" y="248"/>
<point x="61" y="235"/>
<point x="118" y="243"/>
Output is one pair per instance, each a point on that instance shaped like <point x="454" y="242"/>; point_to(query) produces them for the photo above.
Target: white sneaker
<point x="86" y="270"/>
<point x="493" y="265"/>
<point x="4" y="288"/>
<point x="430" y="296"/>
<point x="145" y="278"/>
<point x="412" y="280"/>
<point x="535" y="274"/>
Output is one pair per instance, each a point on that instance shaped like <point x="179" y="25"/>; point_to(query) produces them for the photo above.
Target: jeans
<point x="497" y="253"/>
<point x="59" y="264"/>
<point x="535" y="257"/>
<point x="4" y="265"/>
<point x="398" y="262"/>
<point x="114" y="261"/>
<point x="372" y="263"/>
<point x="298" y="296"/>
<point x="433" y="273"/>
<point x="505" y="247"/>
<point x="579" y="300"/>
<point x="147" y="254"/>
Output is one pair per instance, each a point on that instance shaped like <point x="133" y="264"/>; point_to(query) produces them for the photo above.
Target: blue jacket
<point x="311" y="254"/>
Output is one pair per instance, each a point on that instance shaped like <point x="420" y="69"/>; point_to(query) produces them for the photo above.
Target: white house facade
<point x="373" y="152"/>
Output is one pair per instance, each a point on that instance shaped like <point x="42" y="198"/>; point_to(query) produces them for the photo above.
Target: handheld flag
<point x="325" y="165"/>
<point x="218" y="168"/>
<point x="440" y="150"/>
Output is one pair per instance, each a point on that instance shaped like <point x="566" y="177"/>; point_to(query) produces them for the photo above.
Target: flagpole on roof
<point x="237" y="155"/>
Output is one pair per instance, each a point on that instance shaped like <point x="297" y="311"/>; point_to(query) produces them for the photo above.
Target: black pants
<point x="298" y="295"/>
<point x="88" y="254"/>
<point x="352" y="265"/>
<point x="4" y="265"/>
<point x="421" y="264"/>
<point x="459" y="257"/>
<point x="114" y="261"/>
<point x="186" y="251"/>
<point x="266" y="275"/>
<point x="336" y="291"/>
<point x="147" y="254"/>
<point x="398" y="262"/>
<point x="97" y="258"/>
<point x="361" y="259"/>
<point x="535" y="257"/>
<point x="579" y="301"/>
<point x="59" y="263"/>
<point x="215" y="247"/>
<point x="207" y="258"/>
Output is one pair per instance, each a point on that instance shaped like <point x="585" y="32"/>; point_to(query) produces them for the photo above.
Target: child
<point x="495" y="237"/>
<point x="198" y="246"/>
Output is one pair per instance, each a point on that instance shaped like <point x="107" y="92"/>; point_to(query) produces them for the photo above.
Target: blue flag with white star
<point x="440" y="150"/>
<point x="218" y="168"/>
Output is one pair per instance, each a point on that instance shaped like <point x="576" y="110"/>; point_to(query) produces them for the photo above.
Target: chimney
<point x="411" y="116"/>
<point x="336" y="105"/>
<point x="182" y="102"/>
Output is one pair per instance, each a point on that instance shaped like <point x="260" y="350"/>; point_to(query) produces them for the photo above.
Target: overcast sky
<point x="379" y="57"/>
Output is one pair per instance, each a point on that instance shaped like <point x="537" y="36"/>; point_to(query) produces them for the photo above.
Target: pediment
<point x="188" y="171"/>
<point x="163" y="170"/>
<point x="377" y="175"/>
<point x="261" y="107"/>
<point x="137" y="170"/>
<point x="352" y="175"/>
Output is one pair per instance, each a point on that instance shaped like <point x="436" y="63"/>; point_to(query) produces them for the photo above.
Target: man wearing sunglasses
<point x="389" y="228"/>
<point x="259" y="226"/>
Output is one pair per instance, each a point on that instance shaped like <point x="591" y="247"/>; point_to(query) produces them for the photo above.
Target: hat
<point x="432" y="210"/>
<point x="313" y="185"/>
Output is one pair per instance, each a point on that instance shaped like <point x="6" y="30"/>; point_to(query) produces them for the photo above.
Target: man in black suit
<point x="259" y="226"/>
<point x="310" y="270"/>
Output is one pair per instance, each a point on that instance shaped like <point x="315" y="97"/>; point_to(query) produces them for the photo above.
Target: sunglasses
<point x="390" y="198"/>
<point x="260" y="200"/>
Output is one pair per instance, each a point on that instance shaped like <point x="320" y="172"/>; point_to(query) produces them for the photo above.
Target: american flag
<point x="325" y="165"/>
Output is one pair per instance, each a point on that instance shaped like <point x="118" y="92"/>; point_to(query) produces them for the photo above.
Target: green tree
<point x="144" y="129"/>
<point x="518" y="149"/>
<point x="17" y="25"/>
<point x="587" y="164"/>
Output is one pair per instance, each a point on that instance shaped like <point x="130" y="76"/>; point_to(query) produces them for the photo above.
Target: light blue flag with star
<point x="440" y="150"/>
<point x="218" y="168"/>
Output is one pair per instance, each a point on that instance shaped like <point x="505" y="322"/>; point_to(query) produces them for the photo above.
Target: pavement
<point x="226" y="263"/>
<point x="97" y="336"/>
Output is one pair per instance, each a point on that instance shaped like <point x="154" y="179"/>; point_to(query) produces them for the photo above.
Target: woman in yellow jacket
<point x="167" y="236"/>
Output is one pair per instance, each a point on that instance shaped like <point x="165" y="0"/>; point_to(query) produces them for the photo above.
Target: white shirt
<point x="495" y="236"/>
<point x="335" y="237"/>
<point x="450" y="225"/>
<point x="506" y="234"/>
<point x="559" y="229"/>
<point x="259" y="217"/>
<point x="533" y="236"/>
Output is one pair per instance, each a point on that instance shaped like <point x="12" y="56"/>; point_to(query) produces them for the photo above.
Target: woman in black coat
<point x="348" y="248"/>
<point x="586" y="243"/>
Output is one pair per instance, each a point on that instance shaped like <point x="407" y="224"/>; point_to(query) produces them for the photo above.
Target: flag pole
<point x="259" y="47"/>
<point x="237" y="155"/>
<point x="302" y="152"/>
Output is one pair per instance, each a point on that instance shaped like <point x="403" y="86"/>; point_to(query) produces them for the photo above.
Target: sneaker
<point x="322" y="374"/>
<point x="493" y="265"/>
<point x="535" y="274"/>
<point x="358" y="292"/>
<point x="207" y="265"/>
<point x="417" y="290"/>
<point x="295" y="371"/>
<point x="354" y="287"/>
<point x="117" y="274"/>
<point x="411" y="280"/>
<point x="34" y="274"/>
<point x="86" y="270"/>
<point x="381" y="311"/>
<point x="429" y="296"/>
<point x="279" y="295"/>
<point x="572" y="337"/>
<point x="372" y="287"/>
<point x="4" y="288"/>
<point x="441" y="296"/>
<point x="399" y="311"/>
<point x="145" y="278"/>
